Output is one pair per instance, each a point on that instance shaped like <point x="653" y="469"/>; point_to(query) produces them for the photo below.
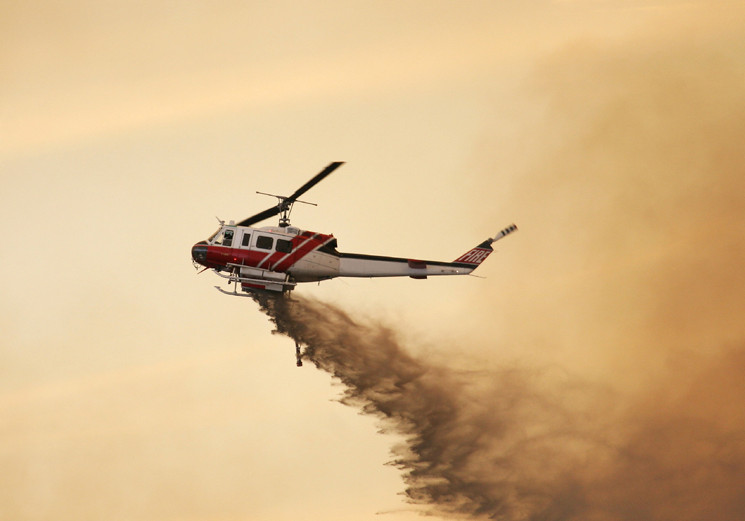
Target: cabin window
<point x="264" y="242"/>
<point x="246" y="240"/>
<point x="284" y="246"/>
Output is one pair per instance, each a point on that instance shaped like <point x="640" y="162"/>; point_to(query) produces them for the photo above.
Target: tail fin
<point x="477" y="255"/>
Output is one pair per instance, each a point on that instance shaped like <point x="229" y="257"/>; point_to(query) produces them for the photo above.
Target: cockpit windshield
<point x="212" y="237"/>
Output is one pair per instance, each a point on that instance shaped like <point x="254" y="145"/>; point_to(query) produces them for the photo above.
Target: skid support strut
<point x="297" y="354"/>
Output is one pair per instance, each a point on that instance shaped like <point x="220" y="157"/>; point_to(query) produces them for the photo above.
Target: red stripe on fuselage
<point x="288" y="258"/>
<point x="220" y="256"/>
<point x="270" y="259"/>
<point x="304" y="247"/>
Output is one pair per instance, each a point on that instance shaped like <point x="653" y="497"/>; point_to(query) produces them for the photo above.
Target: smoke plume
<point x="641" y="143"/>
<point x="518" y="444"/>
<point x="463" y="430"/>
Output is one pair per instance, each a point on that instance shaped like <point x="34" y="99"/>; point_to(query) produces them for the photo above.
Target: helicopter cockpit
<point x="222" y="237"/>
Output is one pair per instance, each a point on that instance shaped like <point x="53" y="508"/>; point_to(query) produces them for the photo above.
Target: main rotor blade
<point x="285" y="203"/>
<point x="316" y="179"/>
<point x="266" y="214"/>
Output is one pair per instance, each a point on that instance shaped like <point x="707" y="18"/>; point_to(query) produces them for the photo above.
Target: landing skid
<point x="233" y="293"/>
<point x="248" y="292"/>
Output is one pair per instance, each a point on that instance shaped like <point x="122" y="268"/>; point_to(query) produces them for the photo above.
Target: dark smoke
<point x="516" y="444"/>
<point x="459" y="439"/>
<point x="642" y="145"/>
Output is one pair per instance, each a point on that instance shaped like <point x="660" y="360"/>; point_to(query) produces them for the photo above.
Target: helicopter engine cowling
<point x="315" y="266"/>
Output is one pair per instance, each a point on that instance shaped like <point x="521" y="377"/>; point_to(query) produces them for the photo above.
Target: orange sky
<point x="130" y="389"/>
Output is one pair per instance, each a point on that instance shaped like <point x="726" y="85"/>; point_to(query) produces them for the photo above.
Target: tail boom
<point x="360" y="265"/>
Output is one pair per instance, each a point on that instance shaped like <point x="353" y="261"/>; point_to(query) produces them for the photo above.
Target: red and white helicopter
<point x="278" y="258"/>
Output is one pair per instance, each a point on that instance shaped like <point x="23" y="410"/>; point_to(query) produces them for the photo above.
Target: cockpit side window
<point x="246" y="240"/>
<point x="228" y="240"/>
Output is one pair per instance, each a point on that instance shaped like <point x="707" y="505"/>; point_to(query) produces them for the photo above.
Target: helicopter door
<point x="227" y="238"/>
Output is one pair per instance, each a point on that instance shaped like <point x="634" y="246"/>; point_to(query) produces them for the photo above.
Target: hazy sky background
<point x="609" y="131"/>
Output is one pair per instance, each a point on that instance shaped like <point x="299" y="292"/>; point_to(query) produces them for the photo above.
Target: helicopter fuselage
<point x="277" y="258"/>
<point x="272" y="258"/>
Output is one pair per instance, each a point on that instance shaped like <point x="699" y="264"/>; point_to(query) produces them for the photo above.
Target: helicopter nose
<point x="199" y="252"/>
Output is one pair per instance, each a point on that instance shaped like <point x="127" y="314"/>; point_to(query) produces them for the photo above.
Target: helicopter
<point x="277" y="258"/>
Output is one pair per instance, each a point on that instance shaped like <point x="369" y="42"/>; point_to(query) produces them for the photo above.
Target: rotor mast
<point x="284" y="207"/>
<point x="284" y="203"/>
